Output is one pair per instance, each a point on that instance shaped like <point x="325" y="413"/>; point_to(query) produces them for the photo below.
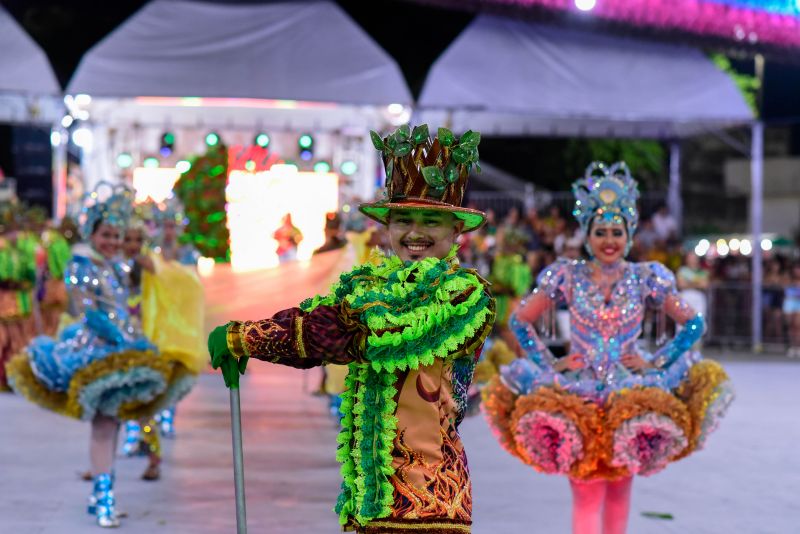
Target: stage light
<point x="83" y="138"/>
<point x="305" y="141"/>
<point x="766" y="245"/>
<point x="256" y="203"/>
<point x="346" y="208"/>
<point x="322" y="166"/>
<point x="735" y="244"/>
<point x="167" y="144"/>
<point x="154" y="183"/>
<point x="585" y="5"/>
<point x="262" y="140"/>
<point x="702" y="247"/>
<point x="349" y="167"/>
<point x="150" y="163"/>
<point x="395" y="109"/>
<point x="723" y="249"/>
<point x="83" y="100"/>
<point x="183" y="166"/>
<point x="55" y="138"/>
<point x="205" y="266"/>
<point x="306" y="155"/>
<point x="212" y="139"/>
<point x="67" y="121"/>
<point x="124" y="160"/>
<point x="746" y="247"/>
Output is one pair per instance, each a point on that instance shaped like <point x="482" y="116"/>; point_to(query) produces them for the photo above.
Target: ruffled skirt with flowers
<point x="87" y="371"/>
<point x="581" y="428"/>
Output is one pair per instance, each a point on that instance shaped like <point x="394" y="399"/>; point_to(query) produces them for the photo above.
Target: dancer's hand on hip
<point x="222" y="358"/>
<point x="573" y="362"/>
<point x="635" y="362"/>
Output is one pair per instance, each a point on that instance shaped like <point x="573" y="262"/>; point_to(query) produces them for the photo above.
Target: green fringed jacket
<point x="411" y="334"/>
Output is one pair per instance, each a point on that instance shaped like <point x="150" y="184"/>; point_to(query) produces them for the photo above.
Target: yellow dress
<point x="172" y="312"/>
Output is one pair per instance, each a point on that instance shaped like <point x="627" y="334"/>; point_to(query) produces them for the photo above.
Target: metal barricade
<point x="729" y="316"/>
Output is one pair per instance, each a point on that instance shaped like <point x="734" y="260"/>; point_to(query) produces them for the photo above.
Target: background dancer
<point x="173" y="295"/>
<point x="100" y="368"/>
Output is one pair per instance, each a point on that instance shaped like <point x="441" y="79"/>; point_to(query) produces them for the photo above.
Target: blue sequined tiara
<point x="607" y="195"/>
<point x="109" y="203"/>
<point x="170" y="209"/>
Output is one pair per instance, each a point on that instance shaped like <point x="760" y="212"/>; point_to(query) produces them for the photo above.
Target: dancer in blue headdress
<point x="608" y="410"/>
<point x="101" y="368"/>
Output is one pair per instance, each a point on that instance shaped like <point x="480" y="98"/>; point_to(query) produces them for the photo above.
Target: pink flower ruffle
<point x="645" y="444"/>
<point x="548" y="441"/>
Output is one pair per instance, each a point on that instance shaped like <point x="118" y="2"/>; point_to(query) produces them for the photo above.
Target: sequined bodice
<point x="601" y="330"/>
<point x="97" y="284"/>
<point x="604" y="331"/>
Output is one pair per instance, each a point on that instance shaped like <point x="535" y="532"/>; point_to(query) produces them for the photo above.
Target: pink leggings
<point x="600" y="506"/>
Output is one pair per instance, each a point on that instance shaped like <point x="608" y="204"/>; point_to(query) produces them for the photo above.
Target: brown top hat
<point x="426" y="174"/>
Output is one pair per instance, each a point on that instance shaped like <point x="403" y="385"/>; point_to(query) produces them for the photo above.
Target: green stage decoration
<point x="201" y="189"/>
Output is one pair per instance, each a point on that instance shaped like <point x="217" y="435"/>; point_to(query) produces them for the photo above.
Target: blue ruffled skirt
<point x="81" y="374"/>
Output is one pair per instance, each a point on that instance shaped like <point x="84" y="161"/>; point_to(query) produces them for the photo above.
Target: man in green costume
<point x="411" y="328"/>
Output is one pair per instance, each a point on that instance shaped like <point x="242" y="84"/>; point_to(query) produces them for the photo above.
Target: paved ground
<point x="746" y="482"/>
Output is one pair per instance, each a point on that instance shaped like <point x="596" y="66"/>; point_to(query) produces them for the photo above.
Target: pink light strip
<point x="695" y="16"/>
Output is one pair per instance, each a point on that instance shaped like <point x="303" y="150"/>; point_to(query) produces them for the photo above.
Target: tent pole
<point x="756" y="214"/>
<point x="674" y="200"/>
<point x="757" y="205"/>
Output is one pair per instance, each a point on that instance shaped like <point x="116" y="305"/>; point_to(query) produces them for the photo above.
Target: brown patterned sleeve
<point x="329" y="334"/>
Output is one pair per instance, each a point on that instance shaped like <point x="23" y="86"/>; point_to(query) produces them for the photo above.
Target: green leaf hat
<point x="426" y="174"/>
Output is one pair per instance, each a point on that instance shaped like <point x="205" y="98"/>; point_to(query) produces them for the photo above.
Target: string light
<point x="212" y="139"/>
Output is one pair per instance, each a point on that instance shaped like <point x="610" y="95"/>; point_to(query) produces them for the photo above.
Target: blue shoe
<point x="133" y="434"/>
<point x="104" y="502"/>
<point x="166" y="420"/>
<point x="91" y="507"/>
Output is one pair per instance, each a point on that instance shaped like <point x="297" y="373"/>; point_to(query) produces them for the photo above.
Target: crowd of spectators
<point x="714" y="285"/>
<point x="717" y="286"/>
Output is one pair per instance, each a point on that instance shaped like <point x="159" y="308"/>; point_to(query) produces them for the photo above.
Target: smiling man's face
<point x="419" y="234"/>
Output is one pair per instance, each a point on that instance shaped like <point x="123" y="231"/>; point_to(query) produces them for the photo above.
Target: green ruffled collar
<point x="414" y="313"/>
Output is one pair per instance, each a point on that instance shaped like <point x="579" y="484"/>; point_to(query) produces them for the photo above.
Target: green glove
<point x="221" y="357"/>
<point x="218" y="345"/>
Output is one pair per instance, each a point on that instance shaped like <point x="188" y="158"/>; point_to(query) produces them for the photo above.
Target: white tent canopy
<point x="29" y="91"/>
<point x="238" y="68"/>
<point x="308" y="51"/>
<point x="504" y="76"/>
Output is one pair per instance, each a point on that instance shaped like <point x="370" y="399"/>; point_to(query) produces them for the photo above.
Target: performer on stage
<point x="608" y="410"/>
<point x="410" y="328"/>
<point x="101" y="368"/>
